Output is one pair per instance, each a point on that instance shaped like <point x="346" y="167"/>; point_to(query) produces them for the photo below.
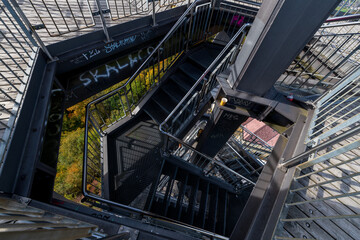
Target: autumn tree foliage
<point x="68" y="177"/>
<point x="70" y="162"/>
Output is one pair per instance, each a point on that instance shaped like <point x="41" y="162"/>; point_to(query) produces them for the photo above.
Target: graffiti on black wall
<point x="111" y="47"/>
<point x="90" y="82"/>
<point x="115" y="67"/>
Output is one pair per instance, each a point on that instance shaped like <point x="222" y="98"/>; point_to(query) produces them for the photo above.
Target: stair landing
<point x="134" y="160"/>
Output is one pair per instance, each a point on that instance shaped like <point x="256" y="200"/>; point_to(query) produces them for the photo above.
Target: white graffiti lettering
<point x="132" y="60"/>
<point x="109" y="69"/>
<point x="121" y="43"/>
<point x="145" y="35"/>
<point x="106" y="70"/>
<point x="219" y="135"/>
<point x="91" y="53"/>
<point x="71" y="94"/>
<point x="149" y="50"/>
<point x="77" y="60"/>
<point x="139" y="54"/>
<point x="96" y="75"/>
<point x="86" y="81"/>
<point x="121" y="66"/>
<point x="110" y="47"/>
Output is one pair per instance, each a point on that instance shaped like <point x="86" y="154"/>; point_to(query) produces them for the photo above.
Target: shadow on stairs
<point x="140" y="177"/>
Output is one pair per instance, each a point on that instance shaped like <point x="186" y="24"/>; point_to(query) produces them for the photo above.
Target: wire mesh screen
<point x="324" y="193"/>
<point x="17" y="51"/>
<point x="328" y="57"/>
<point x="325" y="60"/>
<point x="347" y="7"/>
<point x="323" y="196"/>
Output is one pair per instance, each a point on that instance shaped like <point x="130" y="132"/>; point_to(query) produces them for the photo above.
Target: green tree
<point x="69" y="172"/>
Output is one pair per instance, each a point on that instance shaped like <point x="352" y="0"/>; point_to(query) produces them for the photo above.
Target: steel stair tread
<point x="164" y="101"/>
<point x="191" y="71"/>
<point x="155" y="112"/>
<point x="181" y="81"/>
<point x="204" y="57"/>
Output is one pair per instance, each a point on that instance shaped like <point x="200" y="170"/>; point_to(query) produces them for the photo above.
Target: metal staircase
<point x="144" y="175"/>
<point x="192" y="198"/>
<point x="133" y="166"/>
<point x="180" y="81"/>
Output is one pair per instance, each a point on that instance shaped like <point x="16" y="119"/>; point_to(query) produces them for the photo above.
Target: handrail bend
<point x="201" y="78"/>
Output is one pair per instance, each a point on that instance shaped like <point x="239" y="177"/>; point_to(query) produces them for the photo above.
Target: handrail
<point x="201" y="78"/>
<point x="339" y="25"/>
<point x="206" y="156"/>
<point x="156" y="49"/>
<point x="101" y="113"/>
<point x="205" y="73"/>
<point x="257" y="137"/>
<point x="92" y="126"/>
<point x="331" y="137"/>
<point x="101" y="134"/>
<point x="327" y="34"/>
<point x="149" y="214"/>
<point x="345" y="135"/>
<point x="242" y="158"/>
<point x="343" y="18"/>
<point x="18" y="52"/>
<point x="252" y="2"/>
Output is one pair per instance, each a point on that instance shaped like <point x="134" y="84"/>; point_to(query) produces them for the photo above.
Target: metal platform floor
<point x="330" y="188"/>
<point x="134" y="160"/>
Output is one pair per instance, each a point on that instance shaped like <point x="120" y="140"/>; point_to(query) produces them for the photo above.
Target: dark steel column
<point x="280" y="31"/>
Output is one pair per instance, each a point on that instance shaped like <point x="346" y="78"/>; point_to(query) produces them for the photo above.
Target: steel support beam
<point x="259" y="217"/>
<point x="18" y="169"/>
<point x="280" y="31"/>
<point x="220" y="127"/>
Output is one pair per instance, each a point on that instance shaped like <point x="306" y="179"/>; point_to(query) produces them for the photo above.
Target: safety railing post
<point x="153" y="13"/>
<point x="103" y="22"/>
<point x="189" y="31"/>
<point x="128" y="103"/>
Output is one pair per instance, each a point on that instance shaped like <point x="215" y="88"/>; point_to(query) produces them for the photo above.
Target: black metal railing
<point x="256" y="147"/>
<point x="331" y="54"/>
<point x="213" y="167"/>
<point x="200" y="22"/>
<point x="57" y="20"/>
<point x="191" y="103"/>
<point x="231" y="156"/>
<point x="121" y="102"/>
<point x="18" y="51"/>
<point x="330" y="161"/>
